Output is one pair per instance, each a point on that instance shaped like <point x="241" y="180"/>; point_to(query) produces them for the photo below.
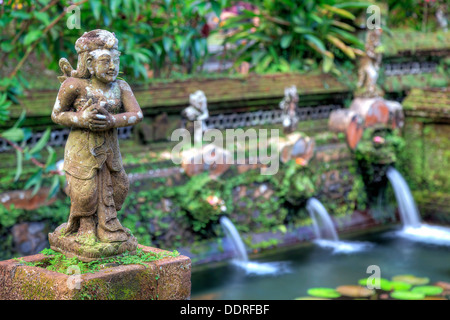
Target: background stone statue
<point x="197" y="111"/>
<point x="369" y="66"/>
<point x="441" y="17"/>
<point x="289" y="107"/>
<point x="94" y="104"/>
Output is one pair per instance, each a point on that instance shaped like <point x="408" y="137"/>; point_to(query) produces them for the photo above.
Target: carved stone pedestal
<point x="88" y="249"/>
<point x="165" y="279"/>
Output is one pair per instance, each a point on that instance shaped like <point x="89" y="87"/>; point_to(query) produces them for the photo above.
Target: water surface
<point x="315" y="266"/>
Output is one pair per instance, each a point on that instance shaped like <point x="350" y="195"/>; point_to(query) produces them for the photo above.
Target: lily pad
<point x="385" y="284"/>
<point x="409" y="278"/>
<point x="310" y="298"/>
<point x="400" y="285"/>
<point x="428" y="290"/>
<point x="355" y="291"/>
<point x="407" y="295"/>
<point x="323" y="293"/>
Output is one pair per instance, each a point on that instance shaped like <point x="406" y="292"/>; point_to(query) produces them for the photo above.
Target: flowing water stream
<point x="325" y="231"/>
<point x="240" y="254"/>
<point x="413" y="228"/>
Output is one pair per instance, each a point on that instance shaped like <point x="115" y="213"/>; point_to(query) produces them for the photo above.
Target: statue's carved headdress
<point x="89" y="42"/>
<point x="198" y="100"/>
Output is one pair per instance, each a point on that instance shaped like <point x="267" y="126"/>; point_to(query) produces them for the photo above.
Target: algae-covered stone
<point x="165" y="279"/>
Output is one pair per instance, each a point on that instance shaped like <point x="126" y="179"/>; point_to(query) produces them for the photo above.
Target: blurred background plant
<point x="173" y="39"/>
<point x="291" y="35"/>
<point x="423" y="15"/>
<point x="156" y="39"/>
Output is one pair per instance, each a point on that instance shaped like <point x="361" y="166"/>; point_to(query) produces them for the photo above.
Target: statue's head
<point x="291" y="93"/>
<point x="373" y="37"/>
<point x="98" y="56"/>
<point x="198" y="99"/>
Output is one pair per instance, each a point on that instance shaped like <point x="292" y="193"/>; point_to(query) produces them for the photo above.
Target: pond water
<point x="309" y="266"/>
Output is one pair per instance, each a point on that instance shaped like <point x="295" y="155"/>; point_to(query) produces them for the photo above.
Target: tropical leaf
<point x="13" y="134"/>
<point x="51" y="159"/>
<point x="353" y="5"/>
<point x="31" y="37"/>
<point x="54" y="187"/>
<point x="339" y="11"/>
<point x="42" y="142"/>
<point x="343" y="25"/>
<point x="342" y="46"/>
<point x="286" y="41"/>
<point x="35" y="180"/>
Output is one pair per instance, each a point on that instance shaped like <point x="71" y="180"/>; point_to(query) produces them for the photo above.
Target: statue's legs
<point x="113" y="188"/>
<point x="83" y="197"/>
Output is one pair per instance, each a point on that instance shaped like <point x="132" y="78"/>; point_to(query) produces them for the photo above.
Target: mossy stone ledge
<point x="168" y="278"/>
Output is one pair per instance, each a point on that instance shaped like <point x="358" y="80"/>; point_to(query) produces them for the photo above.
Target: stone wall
<point x="425" y="162"/>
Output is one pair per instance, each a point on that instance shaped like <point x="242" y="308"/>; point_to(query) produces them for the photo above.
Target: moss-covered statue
<point x="369" y="66"/>
<point x="289" y="107"/>
<point x="94" y="104"/>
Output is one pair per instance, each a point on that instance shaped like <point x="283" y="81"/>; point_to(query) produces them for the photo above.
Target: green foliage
<point x="4" y="108"/>
<point x="162" y="35"/>
<point x="397" y="289"/>
<point x="154" y="37"/>
<point x="16" y="137"/>
<point x="53" y="215"/>
<point x="415" y="14"/>
<point x="296" y="184"/>
<point x="194" y="196"/>
<point x="428" y="290"/>
<point x="385" y="284"/>
<point x="323" y="293"/>
<point x="60" y="263"/>
<point x="407" y="295"/>
<point x="290" y="35"/>
<point x="371" y="152"/>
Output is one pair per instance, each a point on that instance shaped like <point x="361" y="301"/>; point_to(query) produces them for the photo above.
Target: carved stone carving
<point x="93" y="103"/>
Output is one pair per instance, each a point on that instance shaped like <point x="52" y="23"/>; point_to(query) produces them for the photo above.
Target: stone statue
<point x="441" y="17"/>
<point x="369" y="66"/>
<point x="94" y="104"/>
<point x="289" y="107"/>
<point x="197" y="111"/>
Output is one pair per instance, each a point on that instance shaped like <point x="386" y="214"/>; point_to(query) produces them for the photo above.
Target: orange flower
<point x="300" y="161"/>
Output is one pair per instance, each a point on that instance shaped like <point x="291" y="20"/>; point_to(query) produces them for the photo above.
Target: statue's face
<point x="291" y="92"/>
<point x="105" y="65"/>
<point x="198" y="99"/>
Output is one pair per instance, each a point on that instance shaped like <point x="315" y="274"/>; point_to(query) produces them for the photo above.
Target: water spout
<point x="406" y="205"/>
<point x="240" y="253"/>
<point x="322" y="223"/>
<point x="232" y="233"/>
<point x="413" y="228"/>
<point x="326" y="233"/>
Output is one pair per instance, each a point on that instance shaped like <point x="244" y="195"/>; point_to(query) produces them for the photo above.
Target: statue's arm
<point x="204" y="115"/>
<point x="132" y="111"/>
<point x="63" y="112"/>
